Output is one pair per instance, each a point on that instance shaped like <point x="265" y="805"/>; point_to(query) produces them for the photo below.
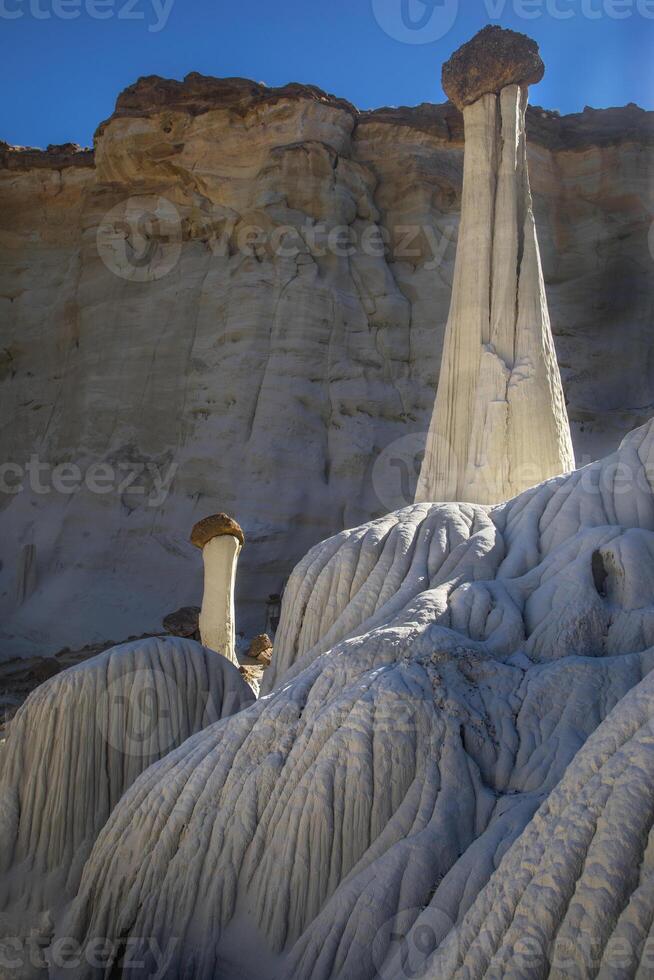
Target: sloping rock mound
<point x="79" y="741"/>
<point x="574" y="896"/>
<point x="565" y="567"/>
<point x="470" y="652"/>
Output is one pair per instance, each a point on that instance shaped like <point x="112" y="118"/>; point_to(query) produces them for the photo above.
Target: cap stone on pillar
<point x="213" y="527"/>
<point x="493" y="59"/>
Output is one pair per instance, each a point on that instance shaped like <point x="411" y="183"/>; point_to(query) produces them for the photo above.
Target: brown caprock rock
<point x="493" y="59"/>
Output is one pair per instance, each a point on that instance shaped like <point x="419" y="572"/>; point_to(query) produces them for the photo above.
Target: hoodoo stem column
<point x="499" y="424"/>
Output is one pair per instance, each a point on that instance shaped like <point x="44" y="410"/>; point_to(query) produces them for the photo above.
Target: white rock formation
<point x="220" y="538"/>
<point x="499" y="423"/>
<point x="421" y="791"/>
<point x="79" y="741"/>
<point x="573" y="897"/>
<point x="261" y="384"/>
<point x="437" y="672"/>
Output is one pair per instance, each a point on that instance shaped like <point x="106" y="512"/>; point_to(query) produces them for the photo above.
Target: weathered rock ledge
<point x="198" y="94"/>
<point x="55" y="157"/>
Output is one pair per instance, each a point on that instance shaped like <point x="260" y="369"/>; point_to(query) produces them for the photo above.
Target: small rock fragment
<point x="252" y="675"/>
<point x="184" y="622"/>
<point x="261" y="649"/>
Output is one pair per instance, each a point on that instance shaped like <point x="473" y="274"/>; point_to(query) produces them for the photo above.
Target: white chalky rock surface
<point x="217" y="616"/>
<point x="76" y="745"/>
<point x="574" y="896"/>
<point x="437" y="672"/>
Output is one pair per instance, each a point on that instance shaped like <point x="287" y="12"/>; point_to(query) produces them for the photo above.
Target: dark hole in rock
<point x="600" y="573"/>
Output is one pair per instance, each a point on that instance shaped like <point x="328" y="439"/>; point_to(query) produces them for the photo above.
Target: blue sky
<point x="65" y="61"/>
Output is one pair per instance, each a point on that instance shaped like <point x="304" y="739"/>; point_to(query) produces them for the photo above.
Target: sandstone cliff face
<point x="279" y="379"/>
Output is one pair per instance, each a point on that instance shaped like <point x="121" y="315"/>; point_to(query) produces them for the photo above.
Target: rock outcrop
<point x="500" y="423"/>
<point x="435" y="680"/>
<point x="292" y="390"/>
<point x="79" y="741"/>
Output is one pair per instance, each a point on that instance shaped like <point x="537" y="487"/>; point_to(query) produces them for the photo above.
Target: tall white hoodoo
<point x="500" y="423"/>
